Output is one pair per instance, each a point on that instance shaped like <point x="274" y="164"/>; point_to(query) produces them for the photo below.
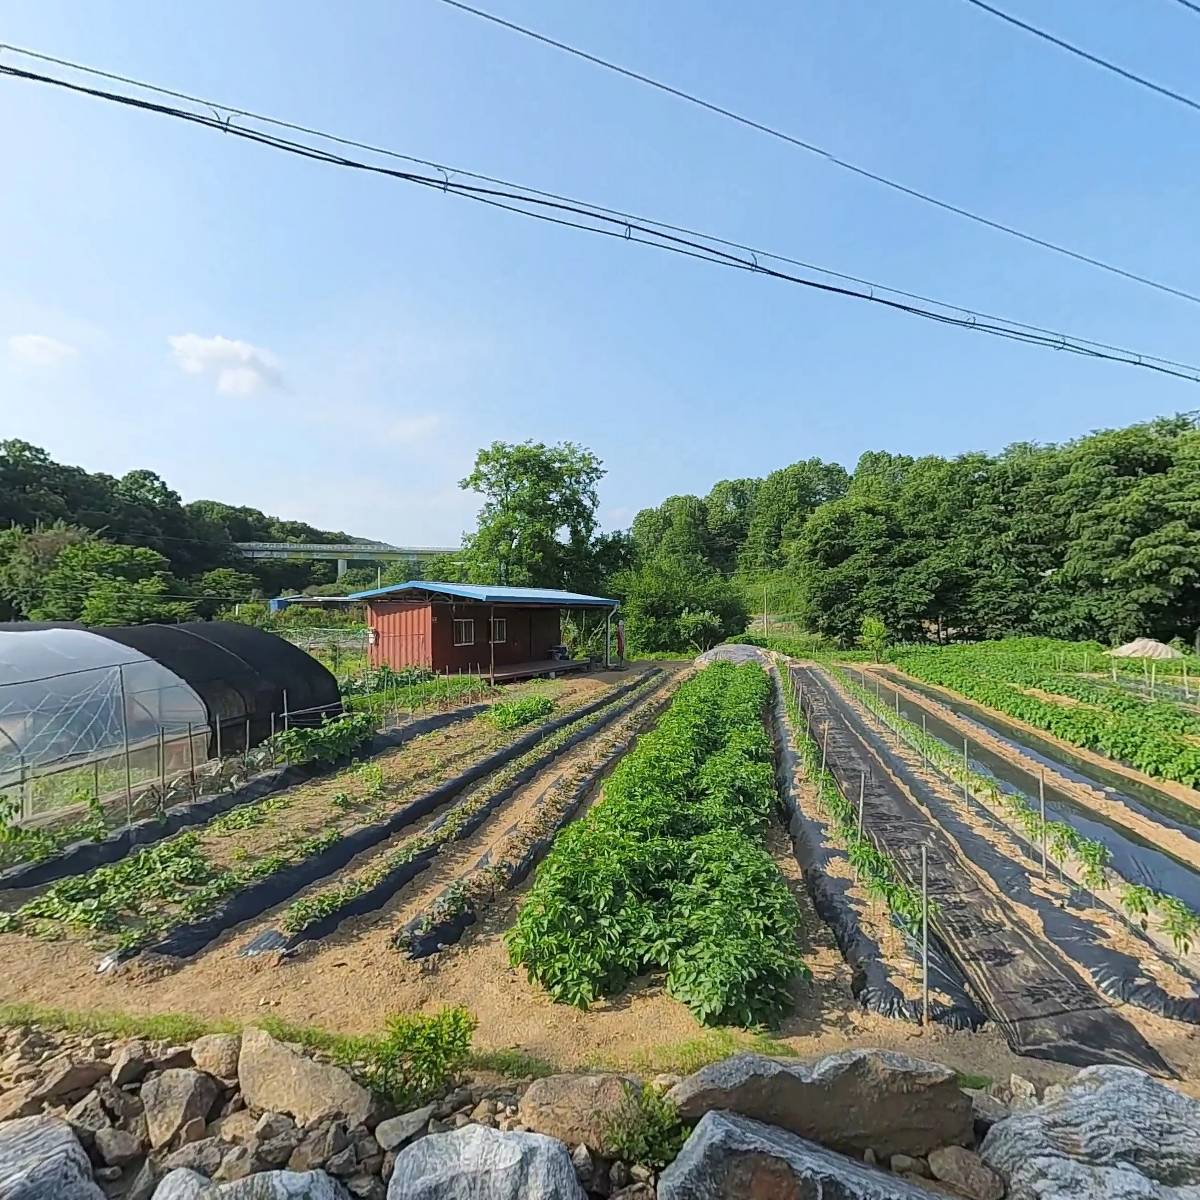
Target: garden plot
<point x="1137" y="860"/>
<point x="1025" y="982"/>
<point x="181" y="880"/>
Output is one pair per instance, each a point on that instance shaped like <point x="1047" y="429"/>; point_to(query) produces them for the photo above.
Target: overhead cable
<point x="829" y="156"/>
<point x="595" y="220"/>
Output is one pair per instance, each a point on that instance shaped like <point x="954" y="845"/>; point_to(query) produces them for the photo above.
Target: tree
<point x="25" y="557"/>
<point x="106" y="584"/>
<point x="537" y="526"/>
<point x="782" y="504"/>
<point x="223" y="587"/>
<point x="657" y="594"/>
<point x="874" y="637"/>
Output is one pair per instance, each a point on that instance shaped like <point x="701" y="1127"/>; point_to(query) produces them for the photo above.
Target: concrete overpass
<point x="343" y="553"/>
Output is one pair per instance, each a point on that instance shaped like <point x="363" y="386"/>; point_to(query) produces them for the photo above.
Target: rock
<point x="852" y="1101"/>
<point x="175" y="1098"/>
<point x="41" y="1159"/>
<point x="131" y="1063"/>
<point x="730" y="1157"/>
<point x="118" y="1147"/>
<point x="276" y="1078"/>
<point x="237" y="1164"/>
<point x="218" y="1053"/>
<point x="966" y="1173"/>
<point x="581" y="1160"/>
<point x="174" y="1059"/>
<point x="480" y="1163"/>
<point x="144" y="1182"/>
<point x="183" y="1185"/>
<point x="395" y="1132"/>
<point x="88" y="1117"/>
<point x="635" y="1191"/>
<point x="191" y="1131"/>
<point x="869" y="1157"/>
<point x="64" y="1078"/>
<point x="905" y="1164"/>
<point x="344" y="1162"/>
<point x="204" y="1156"/>
<point x="576" y="1108"/>
<point x="18" y="1102"/>
<point x="665" y="1082"/>
<point x="618" y="1175"/>
<point x="276" y="1151"/>
<point x="1114" y="1133"/>
<point x="1018" y="1093"/>
<point x="366" y="1187"/>
<point x="238" y="1127"/>
<point x="272" y="1125"/>
<point x="640" y="1173"/>
<point x="1055" y="1091"/>
<point x="268" y="1185"/>
<point x="107" y="1174"/>
<point x="454" y="1100"/>
<point x="318" y="1145"/>
<point x="986" y="1111"/>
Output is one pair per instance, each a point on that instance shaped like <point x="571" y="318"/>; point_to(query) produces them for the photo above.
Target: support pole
<point x="966" y="755"/>
<point x="862" y="788"/>
<point x="246" y="747"/>
<point x="1153" y="678"/>
<point x="492" y="645"/>
<point x="191" y="761"/>
<point x="285" y="711"/>
<point x="1042" y="805"/>
<point x="125" y="740"/>
<point x="162" y="764"/>
<point x="824" y="746"/>
<point x="272" y="738"/>
<point x="608" y="640"/>
<point x="924" y="936"/>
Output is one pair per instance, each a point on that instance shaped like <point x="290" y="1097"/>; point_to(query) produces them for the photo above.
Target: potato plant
<point x="667" y="870"/>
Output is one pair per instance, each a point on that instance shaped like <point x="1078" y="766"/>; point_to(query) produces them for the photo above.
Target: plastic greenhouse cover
<point x="67" y="696"/>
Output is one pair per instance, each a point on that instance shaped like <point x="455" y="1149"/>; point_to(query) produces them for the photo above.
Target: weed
<point x="513" y="1063"/>
<point x="646" y="1128"/>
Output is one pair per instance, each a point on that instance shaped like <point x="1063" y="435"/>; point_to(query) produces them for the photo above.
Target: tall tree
<point x="782" y="504"/>
<point x="537" y="526"/>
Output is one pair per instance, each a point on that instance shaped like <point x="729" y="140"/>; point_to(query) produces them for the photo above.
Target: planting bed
<point x="850" y="887"/>
<point x="1142" y="854"/>
<point x="1026" y="984"/>
<point x="247" y="850"/>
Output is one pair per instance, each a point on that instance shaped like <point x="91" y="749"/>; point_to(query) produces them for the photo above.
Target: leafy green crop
<point x="327" y="742"/>
<point x="512" y="714"/>
<point x="666" y="871"/>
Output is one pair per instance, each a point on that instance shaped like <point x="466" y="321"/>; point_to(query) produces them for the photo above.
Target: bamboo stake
<point x="924" y="936"/>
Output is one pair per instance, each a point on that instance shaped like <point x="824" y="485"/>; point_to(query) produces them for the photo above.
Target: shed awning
<point x="485" y="594"/>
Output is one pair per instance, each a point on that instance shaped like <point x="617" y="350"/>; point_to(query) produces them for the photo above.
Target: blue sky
<point x="334" y="347"/>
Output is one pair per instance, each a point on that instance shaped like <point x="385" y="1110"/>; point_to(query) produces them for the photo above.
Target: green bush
<point x="416" y="1056"/>
<point x="646" y="1129"/>
<point x="512" y="714"/>
<point x="327" y="742"/>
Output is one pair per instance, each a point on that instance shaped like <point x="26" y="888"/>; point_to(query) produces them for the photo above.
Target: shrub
<point x="327" y="742"/>
<point x="416" y="1056"/>
<point x="646" y="1129"/>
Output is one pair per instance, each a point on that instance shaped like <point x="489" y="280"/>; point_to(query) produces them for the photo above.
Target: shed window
<point x="499" y="629"/>
<point x="464" y="632"/>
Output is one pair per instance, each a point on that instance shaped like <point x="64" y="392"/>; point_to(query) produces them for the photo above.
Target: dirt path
<point x="1033" y="992"/>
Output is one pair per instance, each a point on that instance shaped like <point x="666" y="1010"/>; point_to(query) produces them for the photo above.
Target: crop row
<point x="157" y="887"/>
<point x="987" y="679"/>
<point x="1063" y="842"/>
<point x="667" y="869"/>
<point x="877" y="871"/>
<point x="307" y="911"/>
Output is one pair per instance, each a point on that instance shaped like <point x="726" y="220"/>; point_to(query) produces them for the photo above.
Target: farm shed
<point x="506" y="633"/>
<point x="72" y="696"/>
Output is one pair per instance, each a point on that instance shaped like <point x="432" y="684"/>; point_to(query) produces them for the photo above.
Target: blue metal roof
<point x="490" y="594"/>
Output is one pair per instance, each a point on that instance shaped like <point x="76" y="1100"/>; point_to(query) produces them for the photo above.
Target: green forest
<point x="1096" y="538"/>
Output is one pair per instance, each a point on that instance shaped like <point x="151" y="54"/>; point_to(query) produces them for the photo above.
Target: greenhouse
<point x="96" y="710"/>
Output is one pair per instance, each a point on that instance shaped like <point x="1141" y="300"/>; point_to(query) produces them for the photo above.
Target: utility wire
<point x="1190" y="4"/>
<point x="1095" y="59"/>
<point x="447" y="170"/>
<point x="829" y="156"/>
<point x="596" y="221"/>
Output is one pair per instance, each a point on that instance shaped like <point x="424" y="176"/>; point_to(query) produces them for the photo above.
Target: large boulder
<point x="852" y="1101"/>
<point x="576" y="1109"/>
<point x="277" y="1079"/>
<point x="1113" y="1132"/>
<point x="269" y="1185"/>
<point x="733" y="1158"/>
<point x="393" y="1133"/>
<point x="481" y="1163"/>
<point x="41" y="1159"/>
<point x="175" y="1099"/>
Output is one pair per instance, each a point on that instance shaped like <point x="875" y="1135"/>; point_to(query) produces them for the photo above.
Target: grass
<point x="512" y="1063"/>
<point x="682" y="1058"/>
<point x="979" y="1083"/>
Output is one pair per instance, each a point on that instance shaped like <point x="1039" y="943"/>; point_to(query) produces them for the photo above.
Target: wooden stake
<point x="1042" y="803"/>
<point x="924" y="936"/>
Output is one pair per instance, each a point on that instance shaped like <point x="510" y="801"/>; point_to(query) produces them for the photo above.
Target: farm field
<point x="1062" y="972"/>
<point x="663" y="794"/>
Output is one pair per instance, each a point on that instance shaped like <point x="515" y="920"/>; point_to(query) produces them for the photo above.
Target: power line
<point x="448" y="170"/>
<point x="1190" y="4"/>
<point x="592" y="219"/>
<point x="1094" y="59"/>
<point x="810" y="148"/>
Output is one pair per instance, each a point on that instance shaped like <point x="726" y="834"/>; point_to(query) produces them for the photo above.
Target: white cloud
<point x="239" y="368"/>
<point x="38" y="350"/>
